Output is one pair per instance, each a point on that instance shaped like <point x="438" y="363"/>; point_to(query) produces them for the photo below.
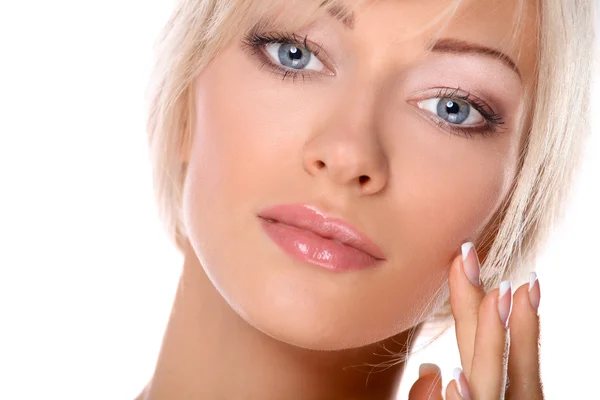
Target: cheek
<point x="225" y="162"/>
<point x="459" y="183"/>
<point x="457" y="196"/>
<point x="248" y="130"/>
<point x="444" y="192"/>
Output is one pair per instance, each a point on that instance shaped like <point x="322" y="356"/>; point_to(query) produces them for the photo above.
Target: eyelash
<point x="493" y="120"/>
<point x="256" y="42"/>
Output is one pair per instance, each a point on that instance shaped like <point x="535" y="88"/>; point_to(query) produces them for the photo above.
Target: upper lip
<point x="309" y="218"/>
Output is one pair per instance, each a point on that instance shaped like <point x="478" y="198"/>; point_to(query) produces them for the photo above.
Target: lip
<point x="309" y="235"/>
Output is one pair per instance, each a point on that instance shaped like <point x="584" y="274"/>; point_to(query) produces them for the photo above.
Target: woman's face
<point x="414" y="148"/>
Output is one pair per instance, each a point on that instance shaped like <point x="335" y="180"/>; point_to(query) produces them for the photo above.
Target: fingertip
<point x="429" y="384"/>
<point x="429" y="369"/>
<point x="523" y="317"/>
<point x="452" y="391"/>
<point x="462" y="386"/>
<point x="465" y="248"/>
<point x="465" y="271"/>
<point x="521" y="296"/>
<point x="456" y="269"/>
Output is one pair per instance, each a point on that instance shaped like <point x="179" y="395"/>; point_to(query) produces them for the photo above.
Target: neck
<point x="209" y="351"/>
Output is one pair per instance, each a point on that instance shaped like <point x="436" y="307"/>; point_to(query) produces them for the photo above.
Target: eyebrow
<point x="339" y="12"/>
<point x="457" y="46"/>
<point x="342" y="13"/>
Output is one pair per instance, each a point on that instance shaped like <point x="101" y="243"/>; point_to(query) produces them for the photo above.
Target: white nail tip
<point x="465" y="248"/>
<point x="532" y="279"/>
<point x="505" y="286"/>
<point x="456" y="374"/>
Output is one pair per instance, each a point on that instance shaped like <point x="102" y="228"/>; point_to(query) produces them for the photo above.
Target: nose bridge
<point x="346" y="146"/>
<point x="356" y="107"/>
<point x="350" y="133"/>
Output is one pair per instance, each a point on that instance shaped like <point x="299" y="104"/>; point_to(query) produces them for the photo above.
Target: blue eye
<point x="292" y="56"/>
<point x="453" y="111"/>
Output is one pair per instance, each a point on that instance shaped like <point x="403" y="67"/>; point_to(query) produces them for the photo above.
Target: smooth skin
<point x="485" y="343"/>
<point x="351" y="138"/>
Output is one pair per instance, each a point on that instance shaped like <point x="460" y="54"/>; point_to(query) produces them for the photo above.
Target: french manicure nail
<point x="505" y="301"/>
<point x="534" y="291"/>
<point x="461" y="383"/>
<point x="428" y="369"/>
<point x="470" y="263"/>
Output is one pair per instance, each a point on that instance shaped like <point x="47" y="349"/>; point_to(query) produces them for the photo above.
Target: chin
<point x="296" y="330"/>
<point x="303" y="314"/>
<point x="303" y="305"/>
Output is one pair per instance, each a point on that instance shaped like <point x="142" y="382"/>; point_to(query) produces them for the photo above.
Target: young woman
<point x="339" y="173"/>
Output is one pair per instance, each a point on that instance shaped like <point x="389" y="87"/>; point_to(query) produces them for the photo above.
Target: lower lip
<point x="309" y="247"/>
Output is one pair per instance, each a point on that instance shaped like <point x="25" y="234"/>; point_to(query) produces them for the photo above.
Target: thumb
<point x="429" y="384"/>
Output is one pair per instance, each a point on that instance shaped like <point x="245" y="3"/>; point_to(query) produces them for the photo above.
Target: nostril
<point x="363" y="179"/>
<point x="320" y="164"/>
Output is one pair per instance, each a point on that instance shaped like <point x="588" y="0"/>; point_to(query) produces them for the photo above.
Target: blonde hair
<point x="556" y="128"/>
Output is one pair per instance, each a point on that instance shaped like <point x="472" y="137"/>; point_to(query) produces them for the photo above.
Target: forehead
<point x="507" y="26"/>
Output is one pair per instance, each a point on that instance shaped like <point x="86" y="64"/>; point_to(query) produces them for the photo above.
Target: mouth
<point x="310" y="236"/>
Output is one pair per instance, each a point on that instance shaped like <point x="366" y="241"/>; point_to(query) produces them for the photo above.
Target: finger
<point x="523" y="363"/>
<point x="429" y="384"/>
<point x="458" y="388"/>
<point x="466" y="295"/>
<point x="452" y="391"/>
<point x="488" y="375"/>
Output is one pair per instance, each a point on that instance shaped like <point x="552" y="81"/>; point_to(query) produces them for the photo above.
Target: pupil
<point x="294" y="53"/>
<point x="452" y="107"/>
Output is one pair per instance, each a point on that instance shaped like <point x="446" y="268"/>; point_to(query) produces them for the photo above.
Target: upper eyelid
<point x="489" y="114"/>
<point x="277" y="64"/>
<point x="259" y="53"/>
<point x="465" y="101"/>
<point x="302" y="41"/>
<point x="455" y="93"/>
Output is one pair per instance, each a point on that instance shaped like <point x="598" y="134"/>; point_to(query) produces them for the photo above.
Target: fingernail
<point x="470" y="263"/>
<point x="428" y="369"/>
<point x="461" y="383"/>
<point x="534" y="291"/>
<point x="505" y="301"/>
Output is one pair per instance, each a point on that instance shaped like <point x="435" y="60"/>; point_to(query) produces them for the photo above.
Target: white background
<point x="87" y="275"/>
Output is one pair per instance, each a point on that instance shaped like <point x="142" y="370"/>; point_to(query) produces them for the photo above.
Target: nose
<point x="347" y="151"/>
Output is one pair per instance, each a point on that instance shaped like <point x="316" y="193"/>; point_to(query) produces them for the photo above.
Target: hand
<point x="484" y="339"/>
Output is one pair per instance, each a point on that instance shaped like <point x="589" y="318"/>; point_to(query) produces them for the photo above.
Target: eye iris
<point x="293" y="57"/>
<point x="453" y="111"/>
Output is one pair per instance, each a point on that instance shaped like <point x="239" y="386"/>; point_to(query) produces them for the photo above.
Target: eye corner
<point x="329" y="67"/>
<point x="413" y="101"/>
<point x="416" y="102"/>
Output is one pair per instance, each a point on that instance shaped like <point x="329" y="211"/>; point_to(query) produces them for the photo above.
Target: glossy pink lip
<point x="310" y="236"/>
